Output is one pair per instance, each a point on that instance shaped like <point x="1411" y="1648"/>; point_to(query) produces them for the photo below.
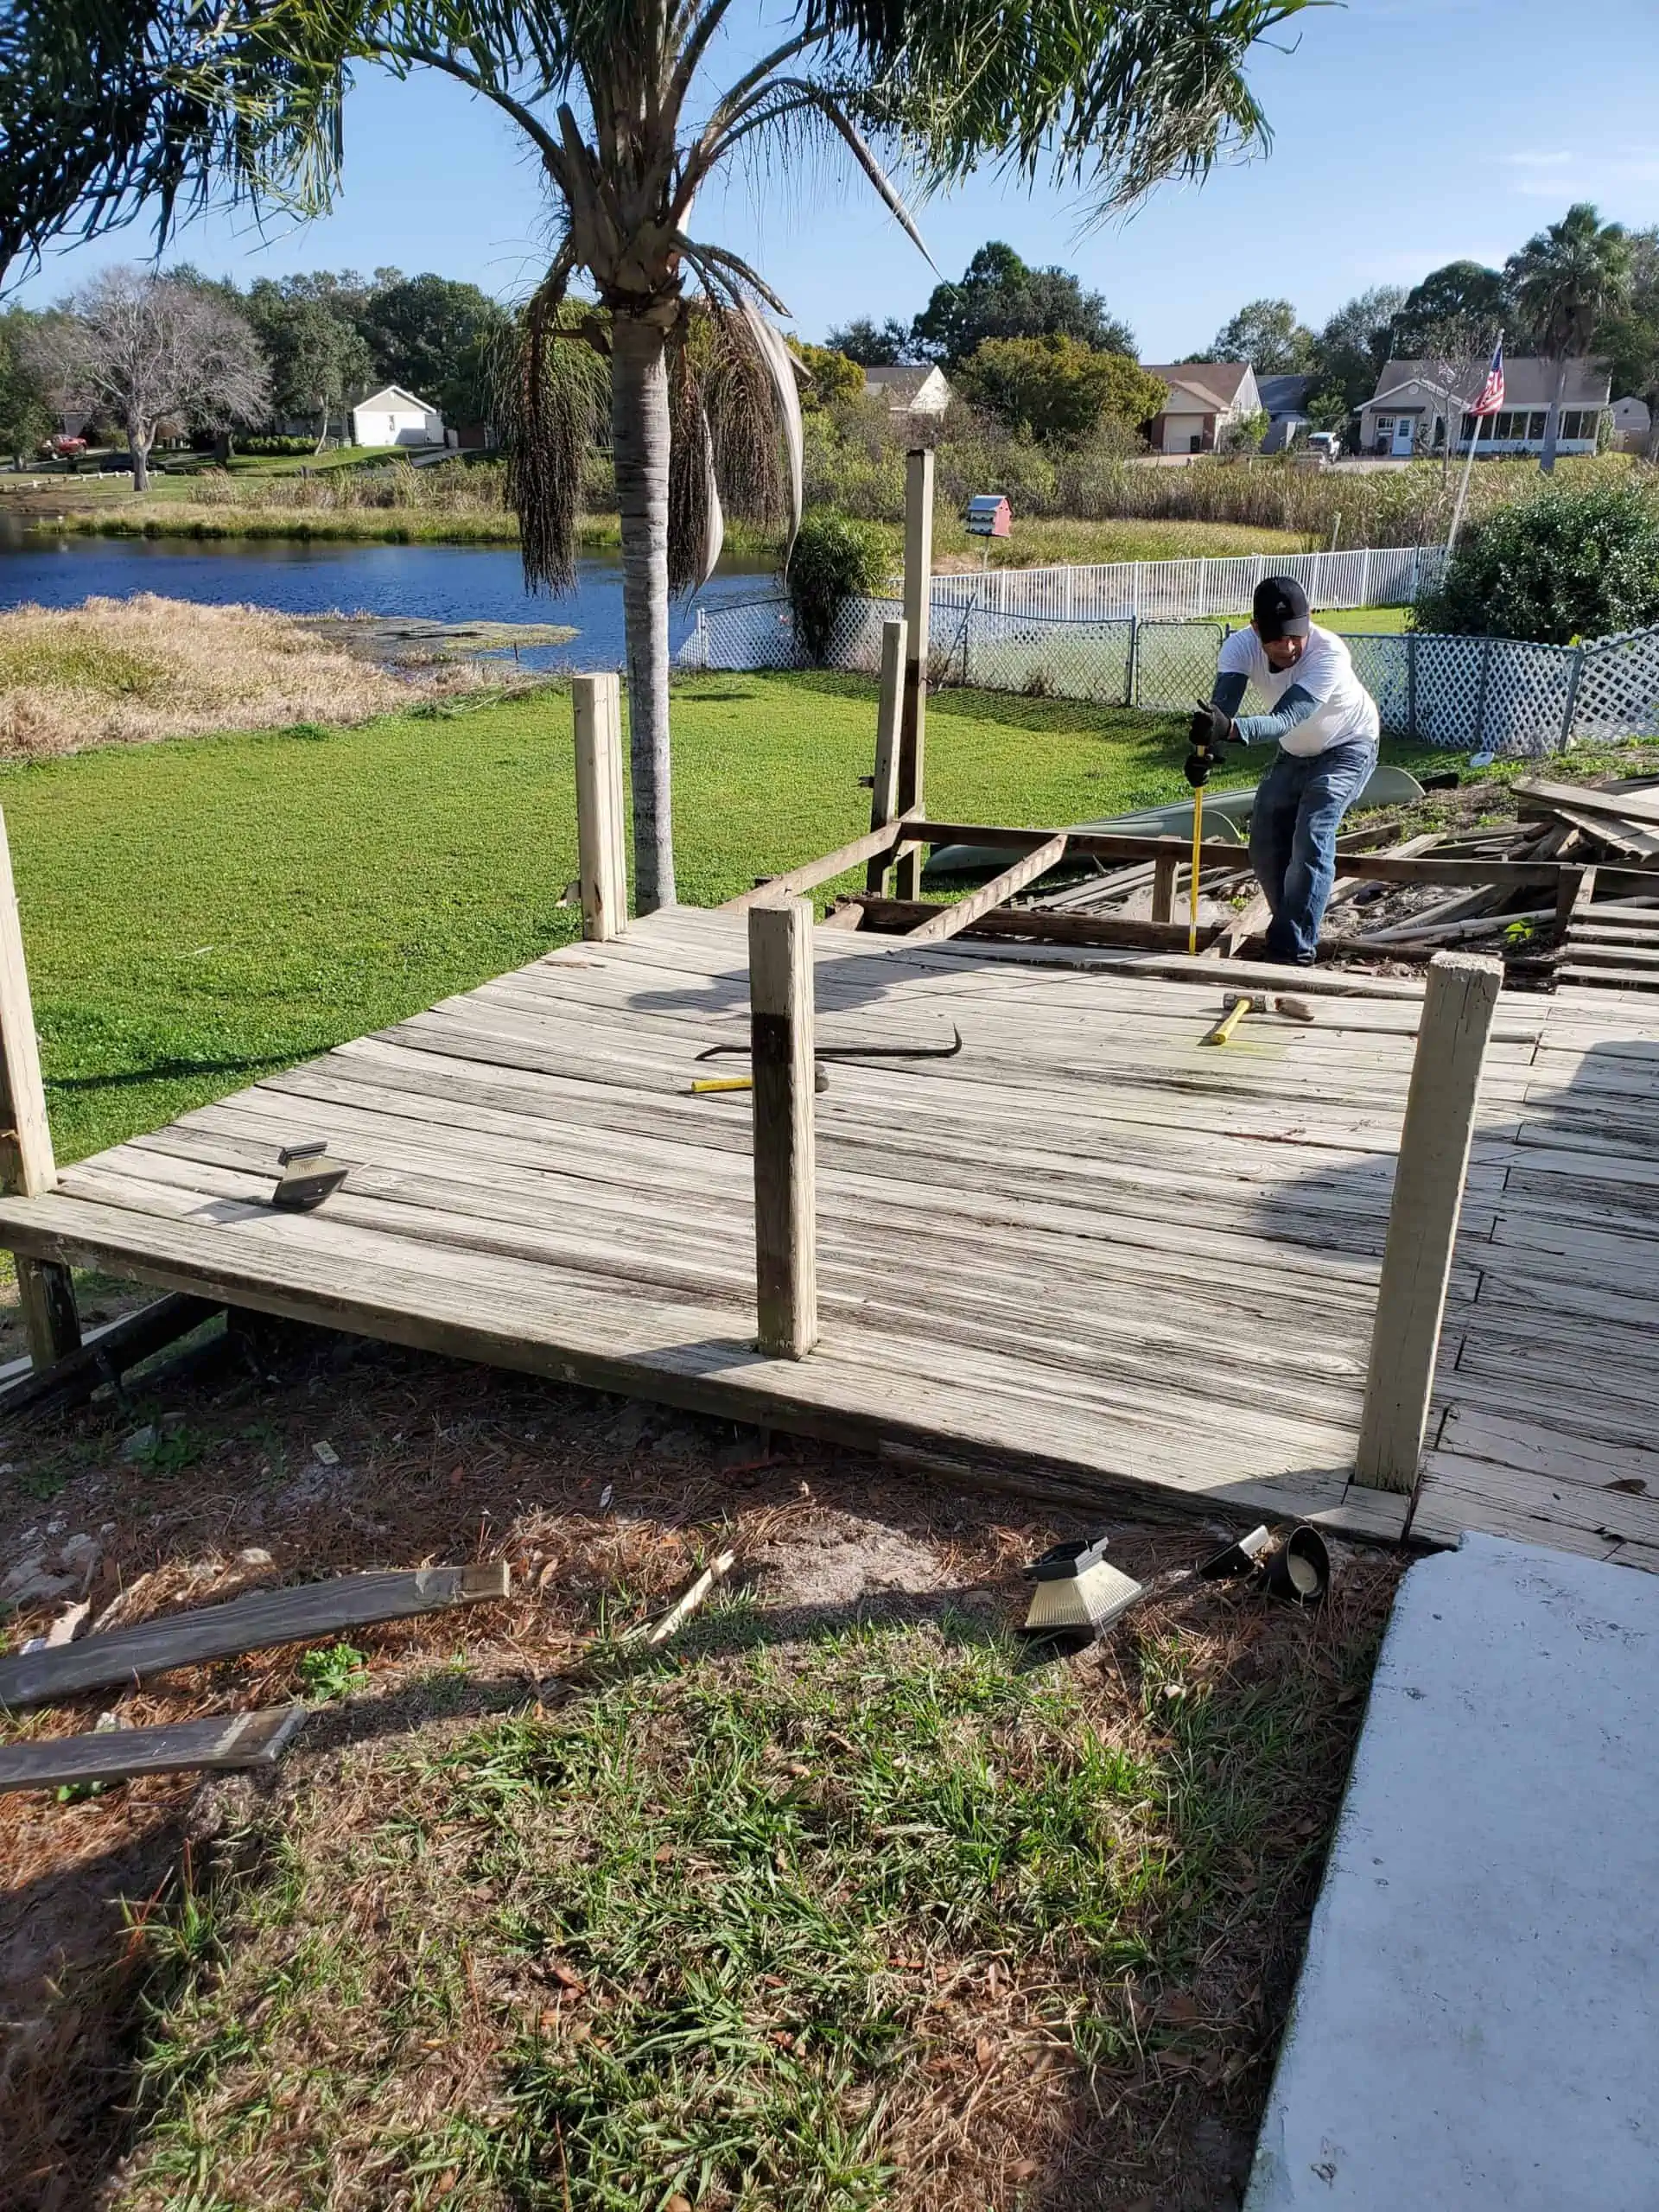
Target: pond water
<point x="445" y="583"/>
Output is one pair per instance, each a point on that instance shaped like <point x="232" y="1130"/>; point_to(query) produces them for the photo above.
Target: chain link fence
<point x="1490" y="695"/>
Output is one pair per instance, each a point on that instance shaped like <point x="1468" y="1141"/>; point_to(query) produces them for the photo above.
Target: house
<point x="392" y="417"/>
<point x="910" y="391"/>
<point x="1284" y="402"/>
<point x="1205" y="399"/>
<point x="1632" y="426"/>
<point x="1408" y="411"/>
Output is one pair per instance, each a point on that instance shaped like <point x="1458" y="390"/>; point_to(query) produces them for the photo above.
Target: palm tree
<point x="111" y="106"/>
<point x="611" y="99"/>
<point x="1564" y="281"/>
<point x="1108" y="96"/>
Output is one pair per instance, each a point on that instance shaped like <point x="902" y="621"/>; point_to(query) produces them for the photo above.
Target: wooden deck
<point x="1088" y="1251"/>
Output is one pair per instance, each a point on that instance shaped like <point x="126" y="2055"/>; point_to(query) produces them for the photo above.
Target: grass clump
<point x="879" y="1920"/>
<point x="132" y="670"/>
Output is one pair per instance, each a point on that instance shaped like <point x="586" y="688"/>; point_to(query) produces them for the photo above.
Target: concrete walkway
<point x="1477" y="2020"/>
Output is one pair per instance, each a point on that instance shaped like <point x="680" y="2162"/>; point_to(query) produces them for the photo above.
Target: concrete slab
<point x="1478" y="2019"/>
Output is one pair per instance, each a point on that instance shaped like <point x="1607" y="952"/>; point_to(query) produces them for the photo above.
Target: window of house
<point x="1468" y="430"/>
<point x="1537" y="421"/>
<point x="1385" y="423"/>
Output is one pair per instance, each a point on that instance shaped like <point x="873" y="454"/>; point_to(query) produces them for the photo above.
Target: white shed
<point x="392" y="417"/>
<point x="1632" y="425"/>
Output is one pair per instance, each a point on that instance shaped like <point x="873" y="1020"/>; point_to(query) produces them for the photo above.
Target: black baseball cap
<point x="1280" y="608"/>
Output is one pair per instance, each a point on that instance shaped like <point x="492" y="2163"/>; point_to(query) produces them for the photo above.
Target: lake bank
<point x="477" y="583"/>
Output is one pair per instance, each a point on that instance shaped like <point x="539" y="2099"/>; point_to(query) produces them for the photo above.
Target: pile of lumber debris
<point x="49" y="1671"/>
<point x="1567" y="889"/>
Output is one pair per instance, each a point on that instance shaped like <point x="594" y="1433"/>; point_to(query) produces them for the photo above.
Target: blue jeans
<point x="1300" y="804"/>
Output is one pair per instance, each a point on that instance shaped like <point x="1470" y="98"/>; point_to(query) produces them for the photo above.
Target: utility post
<point x="780" y="1056"/>
<point x="597" y="707"/>
<point x="45" y="1289"/>
<point x="1459" y="1007"/>
<point x="918" y="594"/>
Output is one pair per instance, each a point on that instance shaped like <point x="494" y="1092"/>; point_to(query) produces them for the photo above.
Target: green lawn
<point x="199" y="912"/>
<point x="1394" y="620"/>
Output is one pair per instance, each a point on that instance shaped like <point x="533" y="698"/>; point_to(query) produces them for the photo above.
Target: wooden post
<point x="1460" y="1006"/>
<point x="780" y="1050"/>
<point x="596" y="702"/>
<point x="919" y="596"/>
<point x="45" y="1290"/>
<point x="1163" y="887"/>
<point x="883" y="788"/>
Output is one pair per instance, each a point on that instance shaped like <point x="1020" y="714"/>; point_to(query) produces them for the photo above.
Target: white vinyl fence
<point x="1192" y="591"/>
<point x="1495" y="695"/>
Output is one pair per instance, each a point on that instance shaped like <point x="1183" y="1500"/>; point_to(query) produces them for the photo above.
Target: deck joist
<point x="1088" y="1252"/>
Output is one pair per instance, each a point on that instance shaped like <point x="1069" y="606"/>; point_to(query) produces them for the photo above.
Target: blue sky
<point x="1407" y="133"/>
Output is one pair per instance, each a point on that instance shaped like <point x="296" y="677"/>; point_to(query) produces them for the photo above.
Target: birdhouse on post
<point x="989" y="515"/>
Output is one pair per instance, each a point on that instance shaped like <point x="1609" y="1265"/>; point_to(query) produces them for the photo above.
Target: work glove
<point x="1209" y="728"/>
<point x="1198" y="767"/>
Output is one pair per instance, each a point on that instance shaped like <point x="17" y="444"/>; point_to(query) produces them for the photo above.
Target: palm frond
<point x="696" y="526"/>
<point x="552" y="393"/>
<point x="787" y="99"/>
<point x="1113" y="95"/>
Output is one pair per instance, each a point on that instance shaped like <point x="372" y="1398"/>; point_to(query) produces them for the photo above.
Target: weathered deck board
<point x="1087" y="1250"/>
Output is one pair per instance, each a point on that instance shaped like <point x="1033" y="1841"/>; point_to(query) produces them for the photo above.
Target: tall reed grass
<point x="131" y="669"/>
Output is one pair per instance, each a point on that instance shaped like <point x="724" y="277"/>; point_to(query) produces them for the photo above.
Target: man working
<point x="1325" y="723"/>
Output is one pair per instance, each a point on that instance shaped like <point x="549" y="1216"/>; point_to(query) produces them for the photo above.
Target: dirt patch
<point x="840" y="1560"/>
<point x="606" y="1509"/>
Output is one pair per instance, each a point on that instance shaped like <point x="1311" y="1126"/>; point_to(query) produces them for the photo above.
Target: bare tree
<point x="143" y="348"/>
<point x="1456" y="352"/>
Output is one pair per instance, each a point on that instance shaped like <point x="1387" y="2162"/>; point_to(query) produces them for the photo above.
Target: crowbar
<point x="863" y="1052"/>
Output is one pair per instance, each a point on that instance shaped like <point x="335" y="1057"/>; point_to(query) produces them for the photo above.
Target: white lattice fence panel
<point x="1618" y="693"/>
<point x="1380" y="662"/>
<point x="1525" y="696"/>
<point x="1444" y="674"/>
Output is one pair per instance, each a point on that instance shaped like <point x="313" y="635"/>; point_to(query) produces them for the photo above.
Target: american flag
<point x="1491" y="392"/>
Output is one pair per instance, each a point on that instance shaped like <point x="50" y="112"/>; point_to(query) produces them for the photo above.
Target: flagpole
<point x="1463" y="488"/>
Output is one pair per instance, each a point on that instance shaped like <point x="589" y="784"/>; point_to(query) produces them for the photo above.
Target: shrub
<point x="1055" y="389"/>
<point x="834" y="560"/>
<point x="1577" y="560"/>
<point x="264" y="448"/>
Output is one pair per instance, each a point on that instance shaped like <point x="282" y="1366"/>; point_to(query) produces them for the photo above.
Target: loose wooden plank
<point x="823" y="870"/>
<point x="946" y="921"/>
<point x="1628" y="805"/>
<point x="1458" y="1011"/>
<point x="114" y="1755"/>
<point x="1370" y="867"/>
<point x="1576" y="970"/>
<point x="105" y="1356"/>
<point x="251" y="1622"/>
<point x="922" y="923"/>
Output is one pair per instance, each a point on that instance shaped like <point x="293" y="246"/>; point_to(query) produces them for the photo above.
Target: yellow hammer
<point x="1229" y="1020"/>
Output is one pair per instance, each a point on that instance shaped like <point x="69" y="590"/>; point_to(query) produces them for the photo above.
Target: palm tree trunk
<point x="1553" y="421"/>
<point x="640" y="433"/>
